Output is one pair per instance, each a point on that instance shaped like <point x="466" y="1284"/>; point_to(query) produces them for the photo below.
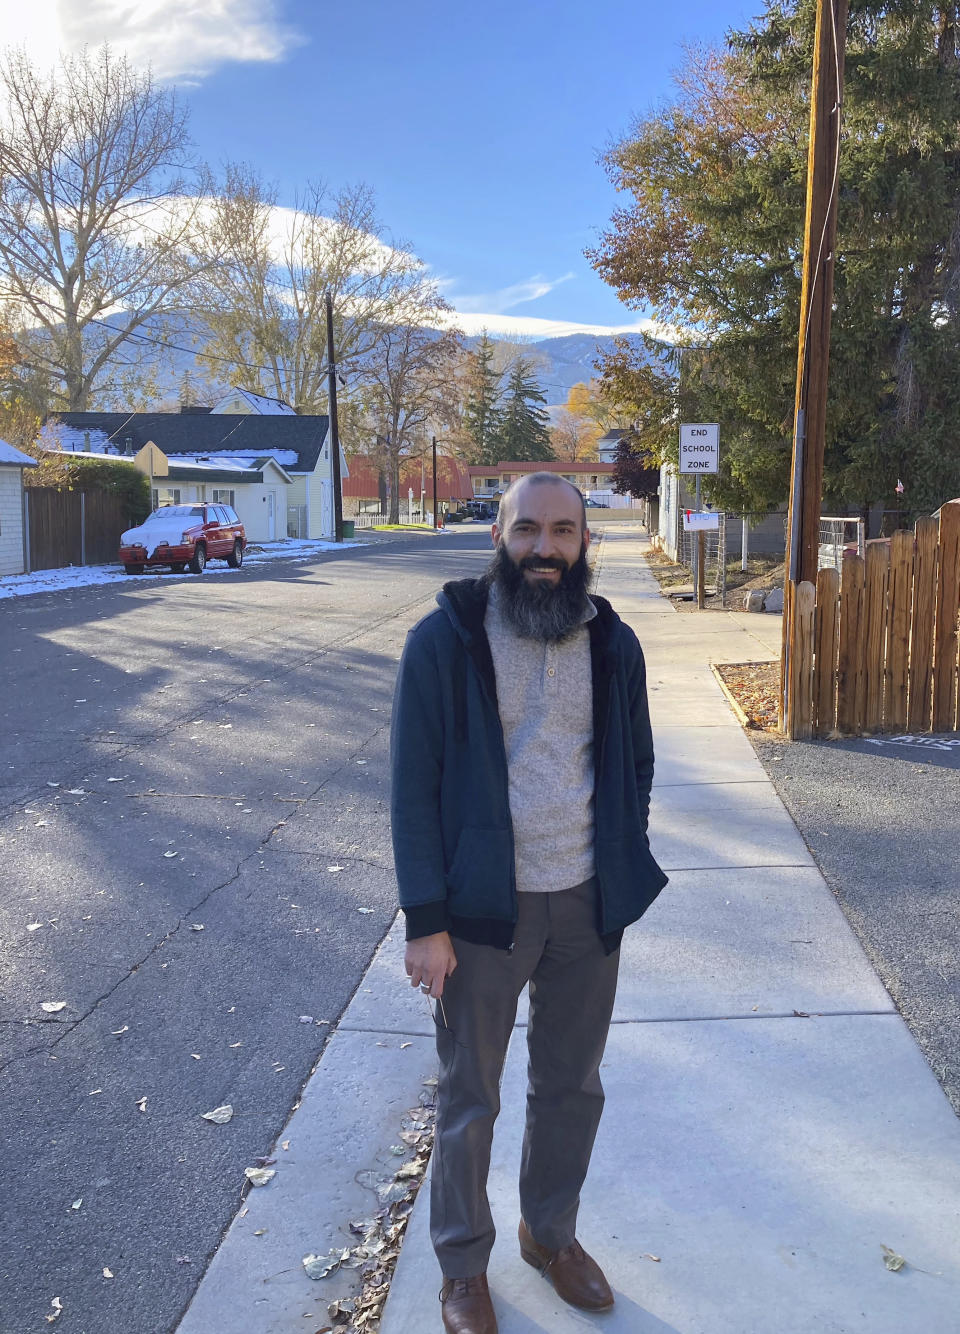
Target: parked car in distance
<point x="184" y="535"/>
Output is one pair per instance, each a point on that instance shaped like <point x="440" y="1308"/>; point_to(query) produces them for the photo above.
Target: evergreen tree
<point x="523" y="435"/>
<point x="712" y="244"/>
<point x="482" y="411"/>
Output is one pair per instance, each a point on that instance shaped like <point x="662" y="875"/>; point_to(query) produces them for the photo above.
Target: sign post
<point x="699" y="454"/>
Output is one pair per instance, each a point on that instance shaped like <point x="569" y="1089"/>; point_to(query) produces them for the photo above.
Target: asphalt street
<point x="882" y="818"/>
<point x="193" y="825"/>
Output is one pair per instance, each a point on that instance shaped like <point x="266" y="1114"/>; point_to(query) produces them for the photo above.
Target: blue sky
<point x="478" y="127"/>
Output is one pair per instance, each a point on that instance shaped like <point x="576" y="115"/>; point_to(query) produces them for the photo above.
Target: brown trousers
<point x="572" y="986"/>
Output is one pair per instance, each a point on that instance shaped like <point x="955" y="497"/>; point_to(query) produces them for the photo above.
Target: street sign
<point x="700" y="521"/>
<point x="700" y="447"/>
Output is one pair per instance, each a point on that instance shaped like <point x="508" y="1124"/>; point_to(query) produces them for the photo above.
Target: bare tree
<point x="265" y="297"/>
<point x="407" y="384"/>
<point x="574" y="438"/>
<point x="98" y="204"/>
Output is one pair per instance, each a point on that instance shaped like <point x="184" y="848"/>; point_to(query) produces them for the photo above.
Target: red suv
<point x="184" y="535"/>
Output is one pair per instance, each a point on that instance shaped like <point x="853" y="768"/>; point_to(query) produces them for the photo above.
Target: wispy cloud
<point x="505" y="298"/>
<point x="179" y="39"/>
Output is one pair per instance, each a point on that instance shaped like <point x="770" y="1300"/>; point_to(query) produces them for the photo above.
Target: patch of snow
<point x="285" y="457"/>
<point x="10" y="454"/>
<point x="88" y="576"/>
<point x="59" y="438"/>
<point x="214" y="462"/>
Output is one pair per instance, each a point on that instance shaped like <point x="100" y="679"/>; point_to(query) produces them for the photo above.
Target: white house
<point x="12" y="549"/>
<point x="272" y="464"/>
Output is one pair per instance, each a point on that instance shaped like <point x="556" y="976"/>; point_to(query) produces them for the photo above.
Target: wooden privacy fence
<point x="73" y="527"/>
<point x="876" y="646"/>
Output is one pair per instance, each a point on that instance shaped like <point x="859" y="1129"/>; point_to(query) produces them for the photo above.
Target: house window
<point x="491" y="482"/>
<point x="223" y="497"/>
<point x="166" y="495"/>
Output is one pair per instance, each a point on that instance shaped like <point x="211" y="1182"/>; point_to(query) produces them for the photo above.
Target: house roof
<point x="453" y="483"/>
<point x="13" y="458"/>
<point x="611" y="437"/>
<point x="296" y="441"/>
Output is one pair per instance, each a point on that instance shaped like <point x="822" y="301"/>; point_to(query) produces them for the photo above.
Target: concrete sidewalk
<point x="770" y="1126"/>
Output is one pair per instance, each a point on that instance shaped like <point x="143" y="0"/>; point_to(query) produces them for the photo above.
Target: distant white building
<point x="607" y="445"/>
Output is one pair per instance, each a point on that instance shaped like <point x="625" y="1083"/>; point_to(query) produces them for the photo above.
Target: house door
<point x="326" y="507"/>
<point x="271" y="516"/>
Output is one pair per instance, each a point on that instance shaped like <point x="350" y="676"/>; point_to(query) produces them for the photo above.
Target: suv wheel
<point x="133" y="569"/>
<point x="199" y="561"/>
<point x="235" y="559"/>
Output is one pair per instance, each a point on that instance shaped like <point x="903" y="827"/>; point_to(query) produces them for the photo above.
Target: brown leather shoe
<point x="466" y="1306"/>
<point x="577" y="1278"/>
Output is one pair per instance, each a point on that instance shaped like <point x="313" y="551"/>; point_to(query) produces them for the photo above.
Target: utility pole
<point x="334" y="432"/>
<point x="816" y="300"/>
<point x="435" y="502"/>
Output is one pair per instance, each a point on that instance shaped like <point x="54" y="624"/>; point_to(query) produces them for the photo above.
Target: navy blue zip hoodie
<point x="450" y="806"/>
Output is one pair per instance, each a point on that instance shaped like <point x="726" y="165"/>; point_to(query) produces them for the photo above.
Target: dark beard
<point x="536" y="609"/>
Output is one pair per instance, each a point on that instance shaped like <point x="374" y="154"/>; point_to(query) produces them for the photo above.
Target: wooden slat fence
<point x="877" y="646"/>
<point x="74" y="528"/>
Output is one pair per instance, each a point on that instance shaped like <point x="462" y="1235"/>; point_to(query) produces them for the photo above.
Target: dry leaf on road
<point x="57" y="1305"/>
<point x="53" y="1007"/>
<point x="220" y="1115"/>
<point x="259" y="1176"/>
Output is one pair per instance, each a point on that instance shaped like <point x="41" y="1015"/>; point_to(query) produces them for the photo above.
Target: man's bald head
<point x="513" y="495"/>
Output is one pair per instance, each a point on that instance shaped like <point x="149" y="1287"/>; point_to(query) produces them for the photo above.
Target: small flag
<point x="899" y="487"/>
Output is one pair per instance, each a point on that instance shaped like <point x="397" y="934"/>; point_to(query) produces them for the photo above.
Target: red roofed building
<point x="361" y="490"/>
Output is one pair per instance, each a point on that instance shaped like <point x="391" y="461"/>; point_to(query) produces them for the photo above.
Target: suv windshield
<point x="177" y="511"/>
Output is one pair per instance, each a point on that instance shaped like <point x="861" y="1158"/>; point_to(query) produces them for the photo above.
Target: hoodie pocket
<point x="480" y="877"/>
<point x="630" y="878"/>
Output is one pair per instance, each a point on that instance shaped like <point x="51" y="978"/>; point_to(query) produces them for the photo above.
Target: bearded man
<point x="522" y="766"/>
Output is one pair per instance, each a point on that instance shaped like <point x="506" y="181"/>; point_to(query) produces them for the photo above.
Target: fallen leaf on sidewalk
<point x="142" y="1104"/>
<point x="34" y="926"/>
<point x="116" y="1032"/>
<point x="53" y="1007"/>
<point x="57" y="1305"/>
<point x="654" y="1258"/>
<point x="319" y="1266"/>
<point x="220" y="1115"/>
<point x="892" y="1260"/>
<point x="259" y="1176"/>
<point x="107" y="1273"/>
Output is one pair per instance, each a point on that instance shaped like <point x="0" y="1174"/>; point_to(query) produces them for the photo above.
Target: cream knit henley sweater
<point x="545" y="696"/>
